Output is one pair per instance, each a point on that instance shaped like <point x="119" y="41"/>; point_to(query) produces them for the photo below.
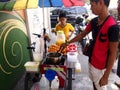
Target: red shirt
<point x="100" y="50"/>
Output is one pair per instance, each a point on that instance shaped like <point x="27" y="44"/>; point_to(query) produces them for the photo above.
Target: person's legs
<point x="94" y="87"/>
<point x="95" y="76"/>
<point x="118" y="72"/>
<point x="118" y="66"/>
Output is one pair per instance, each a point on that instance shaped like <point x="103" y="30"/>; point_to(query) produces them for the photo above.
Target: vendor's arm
<point x="82" y="34"/>
<point x="75" y="39"/>
<point x="79" y="37"/>
<point x="71" y="33"/>
<point x="112" y="56"/>
<point x="113" y="46"/>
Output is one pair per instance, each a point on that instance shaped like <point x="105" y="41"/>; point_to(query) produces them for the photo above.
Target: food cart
<point x="55" y="59"/>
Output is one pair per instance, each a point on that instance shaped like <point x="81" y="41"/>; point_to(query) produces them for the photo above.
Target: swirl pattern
<point x="12" y="33"/>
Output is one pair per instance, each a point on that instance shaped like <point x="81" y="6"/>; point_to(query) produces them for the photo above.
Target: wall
<point x="37" y="19"/>
<point x="13" y="51"/>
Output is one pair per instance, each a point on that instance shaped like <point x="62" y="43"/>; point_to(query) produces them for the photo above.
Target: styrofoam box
<point x="32" y="66"/>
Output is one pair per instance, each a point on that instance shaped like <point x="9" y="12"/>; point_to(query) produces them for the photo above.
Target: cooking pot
<point x="53" y="58"/>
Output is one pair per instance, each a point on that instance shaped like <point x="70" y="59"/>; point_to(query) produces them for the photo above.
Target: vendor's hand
<point x="64" y="45"/>
<point x="103" y="81"/>
<point x="118" y="23"/>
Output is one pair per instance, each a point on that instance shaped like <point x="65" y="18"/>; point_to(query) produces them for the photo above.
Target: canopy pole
<point x="44" y="30"/>
<point x="43" y="13"/>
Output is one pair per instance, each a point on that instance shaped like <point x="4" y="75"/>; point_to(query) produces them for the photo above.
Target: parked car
<point x="72" y="14"/>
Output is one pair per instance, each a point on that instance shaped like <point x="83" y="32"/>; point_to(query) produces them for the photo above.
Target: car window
<point x="69" y="10"/>
<point x="72" y="14"/>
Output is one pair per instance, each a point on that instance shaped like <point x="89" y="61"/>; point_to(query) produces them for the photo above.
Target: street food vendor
<point x="118" y="65"/>
<point x="105" y="32"/>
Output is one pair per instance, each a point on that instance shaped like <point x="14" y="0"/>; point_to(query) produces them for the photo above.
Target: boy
<point x="63" y="25"/>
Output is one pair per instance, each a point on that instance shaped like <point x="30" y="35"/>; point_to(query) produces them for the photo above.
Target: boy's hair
<point x="107" y="2"/>
<point x="62" y="15"/>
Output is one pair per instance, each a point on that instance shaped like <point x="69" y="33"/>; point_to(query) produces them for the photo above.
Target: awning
<point x="18" y="4"/>
<point x="23" y="4"/>
<point x="60" y="3"/>
<point x="50" y="3"/>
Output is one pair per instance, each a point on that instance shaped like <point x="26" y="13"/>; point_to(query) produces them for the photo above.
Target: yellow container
<point x="59" y="42"/>
<point x="60" y="38"/>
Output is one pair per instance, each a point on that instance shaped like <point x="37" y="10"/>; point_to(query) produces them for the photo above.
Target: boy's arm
<point x="71" y="33"/>
<point x="53" y="31"/>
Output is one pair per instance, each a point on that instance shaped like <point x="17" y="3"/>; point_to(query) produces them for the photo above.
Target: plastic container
<point x="72" y="47"/>
<point x="72" y="59"/>
<point x="32" y="66"/>
<point x="44" y="83"/>
<point x="78" y="67"/>
<point x="72" y="56"/>
<point x="55" y="83"/>
<point x="60" y="38"/>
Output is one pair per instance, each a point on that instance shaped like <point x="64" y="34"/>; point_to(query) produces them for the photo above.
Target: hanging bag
<point x="88" y="48"/>
<point x="87" y="51"/>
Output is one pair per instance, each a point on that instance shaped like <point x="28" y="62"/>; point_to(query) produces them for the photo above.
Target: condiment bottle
<point x="44" y="83"/>
<point x="55" y="83"/>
